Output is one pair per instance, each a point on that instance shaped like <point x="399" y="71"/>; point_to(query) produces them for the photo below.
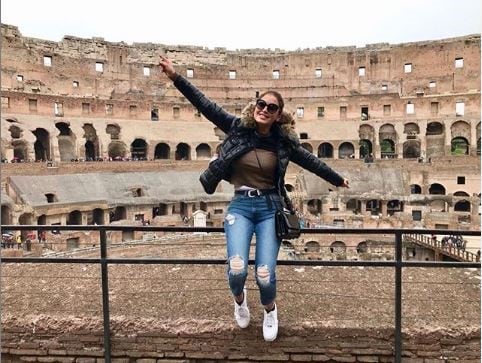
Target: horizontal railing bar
<point x="218" y="261"/>
<point x="220" y="229"/>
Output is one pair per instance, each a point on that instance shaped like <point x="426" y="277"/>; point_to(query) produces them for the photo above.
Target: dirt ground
<point x="358" y="297"/>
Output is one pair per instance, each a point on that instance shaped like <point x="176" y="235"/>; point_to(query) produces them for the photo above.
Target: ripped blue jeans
<point x="247" y="216"/>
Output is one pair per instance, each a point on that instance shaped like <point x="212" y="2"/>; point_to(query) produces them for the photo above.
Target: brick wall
<point x="73" y="340"/>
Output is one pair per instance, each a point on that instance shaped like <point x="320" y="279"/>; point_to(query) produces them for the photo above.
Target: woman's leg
<point x="267" y="248"/>
<point x="239" y="232"/>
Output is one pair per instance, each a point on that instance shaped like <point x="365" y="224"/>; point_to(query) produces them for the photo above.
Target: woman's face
<point x="266" y="112"/>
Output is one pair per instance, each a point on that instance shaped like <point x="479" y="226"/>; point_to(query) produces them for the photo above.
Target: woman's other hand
<point x="167" y="67"/>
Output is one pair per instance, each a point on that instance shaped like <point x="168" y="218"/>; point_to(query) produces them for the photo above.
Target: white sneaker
<point x="241" y="312"/>
<point x="270" y="324"/>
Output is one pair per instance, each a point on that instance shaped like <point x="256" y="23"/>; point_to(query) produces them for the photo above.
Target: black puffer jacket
<point x="240" y="139"/>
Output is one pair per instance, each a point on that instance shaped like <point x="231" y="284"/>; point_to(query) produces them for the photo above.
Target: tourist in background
<point x="253" y="157"/>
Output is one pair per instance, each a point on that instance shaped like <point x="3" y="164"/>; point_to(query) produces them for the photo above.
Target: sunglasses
<point x="272" y="107"/>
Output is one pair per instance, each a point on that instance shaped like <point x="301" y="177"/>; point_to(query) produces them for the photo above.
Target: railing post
<point x="105" y="293"/>
<point x="398" y="297"/>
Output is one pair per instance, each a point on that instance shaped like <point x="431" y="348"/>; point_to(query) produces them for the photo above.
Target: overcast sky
<point x="242" y="24"/>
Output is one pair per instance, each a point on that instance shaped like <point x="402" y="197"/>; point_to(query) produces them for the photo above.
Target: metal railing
<point x="398" y="263"/>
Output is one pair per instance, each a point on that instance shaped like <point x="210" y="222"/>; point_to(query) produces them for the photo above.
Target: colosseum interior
<point x="93" y="134"/>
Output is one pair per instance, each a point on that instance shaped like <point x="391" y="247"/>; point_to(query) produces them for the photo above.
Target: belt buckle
<point x="254" y="193"/>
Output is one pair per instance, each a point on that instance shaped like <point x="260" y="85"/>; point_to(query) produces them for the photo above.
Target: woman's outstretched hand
<point x="346" y="183"/>
<point x="167" y="67"/>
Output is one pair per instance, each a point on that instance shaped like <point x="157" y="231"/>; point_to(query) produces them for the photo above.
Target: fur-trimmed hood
<point x="286" y="122"/>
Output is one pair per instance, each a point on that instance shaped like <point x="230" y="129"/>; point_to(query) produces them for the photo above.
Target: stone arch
<point x="434" y="128"/>
<point x="338" y="247"/>
<point x="459" y="146"/>
<point x="287" y="245"/>
<point x="366" y="148"/>
<point x="15" y="132"/>
<point x="415" y="189"/>
<point x="325" y="150"/>
<point x="387" y="132"/>
<point x="462" y="206"/>
<point x="74" y="218"/>
<point x="460" y="129"/>
<point x="314" y="206"/>
<point x="113" y="130"/>
<point x="289" y="188"/>
<point x="41" y="144"/>
<point x="461" y="193"/>
<point x="436" y="189"/>
<point x="91" y="145"/>
<point x="411" y="129"/>
<point x="183" y="151"/>
<point x="362" y="247"/>
<point x="162" y="151"/>
<point x="139" y="149"/>
<point x="203" y="151"/>
<point x="366" y="132"/>
<point x="117" y="150"/>
<point x="312" y="246"/>
<point x="307" y="146"/>
<point x="411" y="149"/>
<point x="66" y="148"/>
<point x="346" y="150"/>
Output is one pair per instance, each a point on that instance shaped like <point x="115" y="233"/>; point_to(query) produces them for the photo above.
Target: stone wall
<point x="54" y="340"/>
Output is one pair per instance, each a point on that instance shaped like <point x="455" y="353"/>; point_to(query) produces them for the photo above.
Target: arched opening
<point x="411" y="129"/>
<point x="289" y="188"/>
<point x="434" y="128"/>
<point x="25" y="219"/>
<point x="387" y="147"/>
<point x="203" y="151"/>
<point x="373" y="206"/>
<point x="362" y="247"/>
<point x="314" y="206"/>
<point x="162" y="151"/>
<point x="66" y="148"/>
<point x="41" y="144"/>
<point x="20" y="150"/>
<point x="312" y="246"/>
<point x="139" y="149"/>
<point x="415" y="189"/>
<point x="366" y="148"/>
<point x="307" y="146"/>
<point x="89" y="151"/>
<point x="459" y="146"/>
<point x="346" y="151"/>
<point x="92" y="142"/>
<point x="98" y="216"/>
<point x="461" y="193"/>
<point x="117" y="150"/>
<point x="436" y="189"/>
<point x="119" y="213"/>
<point x="338" y="247"/>
<point x="462" y="206"/>
<point x="411" y="149"/>
<point x="183" y="152"/>
<point x="353" y="205"/>
<point x="74" y="218"/>
<point x="394" y="206"/>
<point x="113" y="130"/>
<point x="42" y="220"/>
<point x="325" y="150"/>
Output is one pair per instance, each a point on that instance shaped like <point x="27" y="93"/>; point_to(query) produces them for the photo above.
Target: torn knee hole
<point x="263" y="272"/>
<point x="236" y="264"/>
